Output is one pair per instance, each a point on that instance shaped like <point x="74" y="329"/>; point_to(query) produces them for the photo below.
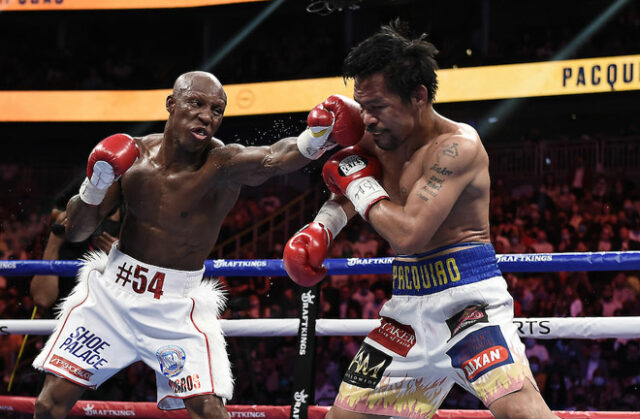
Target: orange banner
<point x="31" y="5"/>
<point x="149" y="105"/>
<point x="570" y="77"/>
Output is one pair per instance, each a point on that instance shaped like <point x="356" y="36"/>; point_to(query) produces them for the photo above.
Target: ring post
<point x="304" y="372"/>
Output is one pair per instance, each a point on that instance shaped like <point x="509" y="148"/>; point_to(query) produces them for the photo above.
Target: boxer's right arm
<point x="100" y="191"/>
<point x="44" y="288"/>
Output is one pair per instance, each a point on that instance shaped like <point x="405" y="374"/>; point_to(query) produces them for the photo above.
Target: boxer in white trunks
<point x="146" y="300"/>
<point x="422" y="181"/>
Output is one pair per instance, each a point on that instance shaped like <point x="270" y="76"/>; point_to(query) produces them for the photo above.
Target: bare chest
<point x="166" y="199"/>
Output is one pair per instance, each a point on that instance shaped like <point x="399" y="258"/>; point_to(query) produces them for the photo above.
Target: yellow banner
<point x="551" y="78"/>
<point x="30" y="5"/>
<point x="606" y="74"/>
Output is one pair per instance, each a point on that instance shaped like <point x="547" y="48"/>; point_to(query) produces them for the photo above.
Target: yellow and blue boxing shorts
<point x="450" y="320"/>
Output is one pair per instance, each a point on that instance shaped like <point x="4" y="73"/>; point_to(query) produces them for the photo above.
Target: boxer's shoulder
<point x="455" y="143"/>
<point x="148" y="142"/>
<point x="224" y="152"/>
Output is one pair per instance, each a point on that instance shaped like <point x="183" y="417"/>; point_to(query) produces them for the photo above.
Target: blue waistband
<point x="424" y="274"/>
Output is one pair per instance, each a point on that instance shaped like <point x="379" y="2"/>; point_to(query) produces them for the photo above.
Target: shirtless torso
<point x="424" y="175"/>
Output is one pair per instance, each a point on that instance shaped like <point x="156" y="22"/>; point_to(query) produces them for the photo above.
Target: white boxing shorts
<point x="123" y="310"/>
<point x="450" y="320"/>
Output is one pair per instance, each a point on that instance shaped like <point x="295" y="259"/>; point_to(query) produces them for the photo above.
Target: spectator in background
<point x="371" y="310"/>
<point x="579" y="177"/>
<point x="566" y="242"/>
<point x="622" y="292"/>
<point x="600" y="191"/>
<point x="366" y="243"/>
<point x="347" y="304"/>
<point x="538" y="372"/>
<point x="270" y="202"/>
<point x="592" y="362"/>
<point x="362" y="294"/>
<point x="325" y="390"/>
<point x="609" y="305"/>
<point x="606" y="234"/>
<point x="575" y="303"/>
<point x="623" y="241"/>
<point x="515" y="244"/>
<point x="630" y="363"/>
<point x="555" y="391"/>
<point x="538" y="350"/>
<point x="541" y="245"/>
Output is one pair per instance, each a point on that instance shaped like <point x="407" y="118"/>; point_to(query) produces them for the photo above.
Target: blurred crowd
<point x="578" y="211"/>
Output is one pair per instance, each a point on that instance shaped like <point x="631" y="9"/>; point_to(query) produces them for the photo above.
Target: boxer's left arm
<point x="445" y="175"/>
<point x="336" y="121"/>
<point x="254" y="165"/>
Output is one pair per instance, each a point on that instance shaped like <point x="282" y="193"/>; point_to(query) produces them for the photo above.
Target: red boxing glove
<point x="352" y="172"/>
<point x="348" y="128"/>
<point x="304" y="254"/>
<point x="107" y="162"/>
<point x="119" y="151"/>
<point x="335" y="121"/>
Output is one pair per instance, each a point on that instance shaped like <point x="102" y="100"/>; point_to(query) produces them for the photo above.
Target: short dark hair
<point x="405" y="63"/>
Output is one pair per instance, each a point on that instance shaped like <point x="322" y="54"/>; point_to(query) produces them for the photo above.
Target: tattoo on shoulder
<point x="441" y="170"/>
<point x="451" y="151"/>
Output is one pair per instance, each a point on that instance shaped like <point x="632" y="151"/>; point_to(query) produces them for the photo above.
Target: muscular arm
<point x="254" y="165"/>
<point x="44" y="288"/>
<point x="83" y="219"/>
<point x="445" y="174"/>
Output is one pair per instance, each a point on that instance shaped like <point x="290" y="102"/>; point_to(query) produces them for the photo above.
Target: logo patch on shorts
<point x="70" y="367"/>
<point x="171" y="358"/>
<point x="185" y="384"/>
<point x="398" y="337"/>
<point x="367" y="367"/>
<point x="480" y="352"/>
<point x="467" y="318"/>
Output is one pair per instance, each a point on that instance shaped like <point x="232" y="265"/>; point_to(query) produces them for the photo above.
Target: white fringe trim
<point x="210" y="302"/>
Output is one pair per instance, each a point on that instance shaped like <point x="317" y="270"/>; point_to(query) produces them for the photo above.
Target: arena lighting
<point x="505" y="108"/>
<point x="210" y="63"/>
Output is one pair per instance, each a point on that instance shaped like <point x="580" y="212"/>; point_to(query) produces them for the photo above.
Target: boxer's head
<point x="395" y="80"/>
<point x="195" y="107"/>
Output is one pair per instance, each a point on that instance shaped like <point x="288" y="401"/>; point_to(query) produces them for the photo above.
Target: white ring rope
<point x="537" y="327"/>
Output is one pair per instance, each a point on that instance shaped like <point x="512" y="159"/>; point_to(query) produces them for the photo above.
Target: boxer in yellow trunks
<point x="422" y="181"/>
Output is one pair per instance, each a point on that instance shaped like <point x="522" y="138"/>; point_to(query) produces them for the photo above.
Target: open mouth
<point x="199" y="133"/>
